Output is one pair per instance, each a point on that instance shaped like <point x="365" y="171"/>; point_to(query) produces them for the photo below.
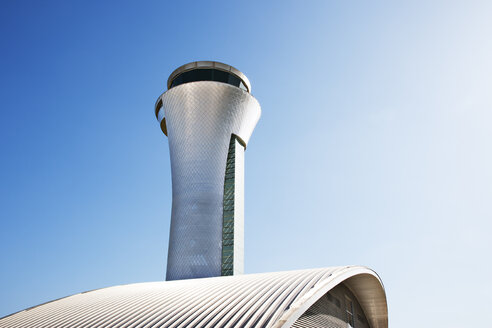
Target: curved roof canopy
<point x="255" y="300"/>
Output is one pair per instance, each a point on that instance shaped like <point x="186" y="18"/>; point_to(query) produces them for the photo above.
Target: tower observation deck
<point x="208" y="115"/>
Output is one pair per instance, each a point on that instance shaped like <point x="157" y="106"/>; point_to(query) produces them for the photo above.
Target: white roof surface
<point x="255" y="300"/>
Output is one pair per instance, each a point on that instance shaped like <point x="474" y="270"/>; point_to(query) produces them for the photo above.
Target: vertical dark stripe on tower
<point x="228" y="212"/>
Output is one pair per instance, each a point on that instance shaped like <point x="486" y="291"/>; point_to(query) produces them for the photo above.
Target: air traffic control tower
<point x="208" y="115"/>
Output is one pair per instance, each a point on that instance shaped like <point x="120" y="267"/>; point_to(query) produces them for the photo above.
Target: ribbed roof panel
<point x="255" y="300"/>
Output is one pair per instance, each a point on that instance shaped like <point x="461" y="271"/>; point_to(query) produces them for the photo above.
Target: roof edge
<point x="372" y="297"/>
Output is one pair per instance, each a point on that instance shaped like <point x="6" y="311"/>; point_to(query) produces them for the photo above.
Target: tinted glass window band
<point x="208" y="74"/>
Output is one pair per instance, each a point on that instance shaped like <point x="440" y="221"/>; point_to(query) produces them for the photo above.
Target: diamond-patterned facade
<point x="201" y="117"/>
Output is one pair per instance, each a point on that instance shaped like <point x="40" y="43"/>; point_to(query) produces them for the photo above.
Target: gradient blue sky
<point x="374" y="146"/>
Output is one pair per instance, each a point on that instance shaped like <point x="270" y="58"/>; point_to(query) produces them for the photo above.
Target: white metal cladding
<point x="255" y="300"/>
<point x="200" y="119"/>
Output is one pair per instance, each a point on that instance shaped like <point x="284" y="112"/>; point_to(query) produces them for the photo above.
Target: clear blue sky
<point x="374" y="146"/>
